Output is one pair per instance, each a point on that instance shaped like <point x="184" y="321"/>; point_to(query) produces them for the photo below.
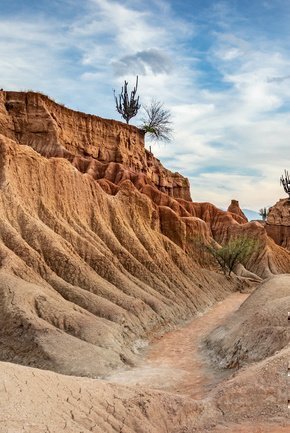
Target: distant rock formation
<point x="278" y="223"/>
<point x="234" y="208"/>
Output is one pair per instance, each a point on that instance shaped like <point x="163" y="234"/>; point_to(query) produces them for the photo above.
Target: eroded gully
<point x="176" y="362"/>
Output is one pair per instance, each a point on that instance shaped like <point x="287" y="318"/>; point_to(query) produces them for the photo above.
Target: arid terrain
<point x="112" y="319"/>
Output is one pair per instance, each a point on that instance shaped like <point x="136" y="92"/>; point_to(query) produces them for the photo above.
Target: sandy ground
<point x="176" y="362"/>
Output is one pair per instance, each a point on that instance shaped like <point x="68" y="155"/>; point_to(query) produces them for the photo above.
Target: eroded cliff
<point x="98" y="250"/>
<point x="278" y="223"/>
<point x="105" y="149"/>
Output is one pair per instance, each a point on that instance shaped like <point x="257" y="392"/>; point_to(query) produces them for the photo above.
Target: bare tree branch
<point x="157" y="122"/>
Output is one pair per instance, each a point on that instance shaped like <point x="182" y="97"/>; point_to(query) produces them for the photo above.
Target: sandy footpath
<point x="176" y="362"/>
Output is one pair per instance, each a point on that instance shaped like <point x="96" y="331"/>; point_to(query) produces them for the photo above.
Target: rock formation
<point x="252" y="400"/>
<point x="98" y="250"/>
<point x="278" y="223"/>
<point x="103" y="148"/>
<point x="235" y="209"/>
<point x="88" y="263"/>
<point x="255" y="340"/>
<point x="266" y="312"/>
<point x="111" y="153"/>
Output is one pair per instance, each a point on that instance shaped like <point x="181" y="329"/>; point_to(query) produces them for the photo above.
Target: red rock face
<point x="104" y="148"/>
<point x="113" y="155"/>
<point x="278" y="223"/>
<point x="98" y="251"/>
<point x="235" y="209"/>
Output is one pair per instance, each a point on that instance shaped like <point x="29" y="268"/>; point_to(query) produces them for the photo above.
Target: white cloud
<point x="231" y="137"/>
<point x="143" y="62"/>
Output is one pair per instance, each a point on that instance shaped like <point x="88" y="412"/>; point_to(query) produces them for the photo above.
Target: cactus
<point x="285" y="181"/>
<point x="127" y="107"/>
<point x="264" y="213"/>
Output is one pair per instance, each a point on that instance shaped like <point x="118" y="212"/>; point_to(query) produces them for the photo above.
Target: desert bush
<point x="230" y="254"/>
<point x="157" y="121"/>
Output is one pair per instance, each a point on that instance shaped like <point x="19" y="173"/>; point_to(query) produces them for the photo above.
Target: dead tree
<point x="285" y="181"/>
<point x="127" y="107"/>
<point x="157" y="122"/>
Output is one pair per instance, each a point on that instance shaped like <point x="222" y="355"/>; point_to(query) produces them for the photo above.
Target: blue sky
<point x="221" y="67"/>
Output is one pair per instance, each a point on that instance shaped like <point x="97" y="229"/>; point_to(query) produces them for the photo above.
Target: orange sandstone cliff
<point x="105" y="149"/>
<point x="235" y="209"/>
<point x="98" y="240"/>
<point x="278" y="223"/>
<point x="98" y="254"/>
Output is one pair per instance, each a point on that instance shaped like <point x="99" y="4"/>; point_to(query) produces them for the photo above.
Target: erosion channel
<point x="177" y="362"/>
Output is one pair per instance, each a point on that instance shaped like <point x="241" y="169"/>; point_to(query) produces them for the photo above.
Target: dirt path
<point x="176" y="362"/>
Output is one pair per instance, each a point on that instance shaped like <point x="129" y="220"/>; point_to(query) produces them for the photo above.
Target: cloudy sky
<point x="221" y="67"/>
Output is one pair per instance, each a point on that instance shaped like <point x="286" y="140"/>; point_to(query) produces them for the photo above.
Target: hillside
<point x="278" y="223"/>
<point x="98" y="253"/>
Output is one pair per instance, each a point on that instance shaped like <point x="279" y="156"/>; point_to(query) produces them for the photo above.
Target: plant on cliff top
<point x="127" y="106"/>
<point x="157" y="122"/>
<point x="264" y="213"/>
<point x="285" y="181"/>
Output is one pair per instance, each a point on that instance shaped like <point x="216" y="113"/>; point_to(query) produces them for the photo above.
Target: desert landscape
<point x="113" y="317"/>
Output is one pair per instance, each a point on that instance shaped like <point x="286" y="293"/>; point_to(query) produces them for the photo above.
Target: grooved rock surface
<point x="255" y="340"/>
<point x="278" y="223"/>
<point x="113" y="154"/>
<point x="85" y="270"/>
<point x="98" y="252"/>
<point x="252" y="400"/>
<point x="101" y="147"/>
<point x="91" y="264"/>
<point x="265" y="311"/>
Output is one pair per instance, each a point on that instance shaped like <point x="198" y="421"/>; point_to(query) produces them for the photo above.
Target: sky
<point x="222" y="68"/>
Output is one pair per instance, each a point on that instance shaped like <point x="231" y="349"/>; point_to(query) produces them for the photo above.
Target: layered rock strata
<point x="278" y="223"/>
<point x="235" y="209"/>
<point x="105" y="149"/>
<point x="96" y="252"/>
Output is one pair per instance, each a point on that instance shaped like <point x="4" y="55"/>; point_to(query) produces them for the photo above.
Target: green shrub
<point x="235" y="251"/>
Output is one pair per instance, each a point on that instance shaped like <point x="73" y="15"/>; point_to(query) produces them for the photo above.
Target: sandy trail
<point x="176" y="363"/>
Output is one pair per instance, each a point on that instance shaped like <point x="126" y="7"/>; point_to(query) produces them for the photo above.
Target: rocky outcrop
<point x="113" y="153"/>
<point x="235" y="209"/>
<point x="95" y="251"/>
<point x="99" y="250"/>
<point x="100" y="147"/>
<point x="88" y="271"/>
<point x="278" y="223"/>
<point x="265" y="311"/>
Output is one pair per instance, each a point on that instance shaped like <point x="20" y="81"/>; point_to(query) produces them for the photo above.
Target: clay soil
<point x="177" y="362"/>
<point x="164" y="393"/>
